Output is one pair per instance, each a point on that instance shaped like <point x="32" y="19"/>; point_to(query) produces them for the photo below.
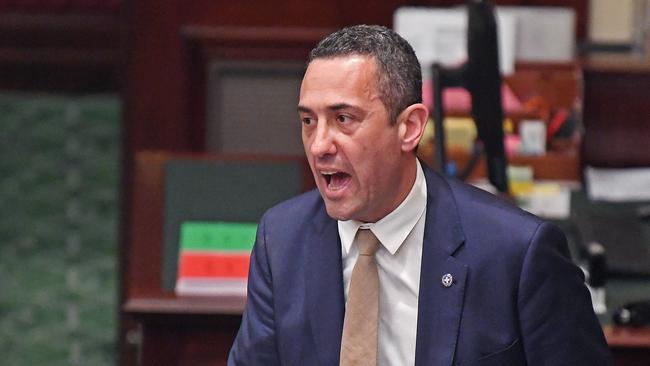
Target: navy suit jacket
<point x="516" y="298"/>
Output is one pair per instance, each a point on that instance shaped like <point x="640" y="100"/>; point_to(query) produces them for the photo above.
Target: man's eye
<point x="343" y="118"/>
<point x="307" y="121"/>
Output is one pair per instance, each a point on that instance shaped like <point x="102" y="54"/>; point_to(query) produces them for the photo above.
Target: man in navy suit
<point x="464" y="277"/>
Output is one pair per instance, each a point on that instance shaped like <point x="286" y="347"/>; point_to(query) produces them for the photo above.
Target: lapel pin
<point x="447" y="280"/>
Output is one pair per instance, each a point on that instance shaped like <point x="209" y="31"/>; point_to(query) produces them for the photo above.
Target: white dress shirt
<point x="401" y="233"/>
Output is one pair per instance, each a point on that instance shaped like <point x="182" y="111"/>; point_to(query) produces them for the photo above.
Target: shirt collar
<point x="393" y="229"/>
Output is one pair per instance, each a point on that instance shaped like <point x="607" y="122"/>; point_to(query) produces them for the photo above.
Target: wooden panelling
<point x="616" y="112"/>
<point x="159" y="104"/>
<point x="68" y="52"/>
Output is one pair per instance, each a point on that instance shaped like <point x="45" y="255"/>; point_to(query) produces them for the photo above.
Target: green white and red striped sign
<point x="214" y="257"/>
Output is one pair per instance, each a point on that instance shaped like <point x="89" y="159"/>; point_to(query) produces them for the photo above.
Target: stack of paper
<point x="618" y="185"/>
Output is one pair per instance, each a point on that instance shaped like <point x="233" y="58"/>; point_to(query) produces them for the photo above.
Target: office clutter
<point x="540" y="94"/>
<point x="538" y="34"/>
<point x="634" y="313"/>
<point x="541" y="128"/>
<point x="543" y="132"/>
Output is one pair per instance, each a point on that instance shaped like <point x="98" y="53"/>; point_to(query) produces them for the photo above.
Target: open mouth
<point x="336" y="180"/>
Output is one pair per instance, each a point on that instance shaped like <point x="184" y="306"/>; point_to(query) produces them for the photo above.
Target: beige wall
<point x="615" y="21"/>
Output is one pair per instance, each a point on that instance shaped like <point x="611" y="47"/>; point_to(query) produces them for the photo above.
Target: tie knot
<point x="367" y="242"/>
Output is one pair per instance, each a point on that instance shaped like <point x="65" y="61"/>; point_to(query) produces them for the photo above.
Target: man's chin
<point x="337" y="212"/>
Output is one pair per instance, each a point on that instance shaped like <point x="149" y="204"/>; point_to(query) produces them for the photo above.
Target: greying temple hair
<point x="399" y="78"/>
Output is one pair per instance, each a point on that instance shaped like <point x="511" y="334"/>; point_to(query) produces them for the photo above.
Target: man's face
<point x="353" y="150"/>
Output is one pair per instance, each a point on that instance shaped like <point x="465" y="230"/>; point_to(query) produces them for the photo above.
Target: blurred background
<point x="97" y="97"/>
<point x="60" y="122"/>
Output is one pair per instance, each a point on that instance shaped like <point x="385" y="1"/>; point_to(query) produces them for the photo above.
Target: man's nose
<point x="323" y="143"/>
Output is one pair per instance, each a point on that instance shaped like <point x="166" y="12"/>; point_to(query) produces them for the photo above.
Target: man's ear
<point x="411" y="122"/>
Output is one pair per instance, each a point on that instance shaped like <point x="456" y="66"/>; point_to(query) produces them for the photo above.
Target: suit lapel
<point x="324" y="288"/>
<point x="439" y="307"/>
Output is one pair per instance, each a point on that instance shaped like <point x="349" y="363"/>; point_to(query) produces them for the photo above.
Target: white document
<point x="545" y="34"/>
<point x="440" y="35"/>
<point x="618" y="185"/>
<point x="533" y="137"/>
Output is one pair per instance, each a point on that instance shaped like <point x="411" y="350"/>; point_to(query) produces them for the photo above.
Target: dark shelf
<point x="186" y="305"/>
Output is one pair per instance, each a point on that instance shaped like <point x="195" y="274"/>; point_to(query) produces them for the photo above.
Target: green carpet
<point x="58" y="206"/>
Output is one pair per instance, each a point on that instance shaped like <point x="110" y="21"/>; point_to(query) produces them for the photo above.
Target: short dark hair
<point x="399" y="78"/>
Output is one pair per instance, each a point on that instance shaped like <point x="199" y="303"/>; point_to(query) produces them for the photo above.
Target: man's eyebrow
<point x="338" y="107"/>
<point x="304" y="109"/>
<point x="333" y="107"/>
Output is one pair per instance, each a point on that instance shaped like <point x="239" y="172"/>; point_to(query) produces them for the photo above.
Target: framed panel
<point x="251" y="108"/>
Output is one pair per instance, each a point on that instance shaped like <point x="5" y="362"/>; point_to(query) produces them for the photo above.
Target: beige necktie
<point x="359" y="341"/>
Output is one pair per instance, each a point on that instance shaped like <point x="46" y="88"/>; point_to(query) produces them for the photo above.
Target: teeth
<point x="328" y="172"/>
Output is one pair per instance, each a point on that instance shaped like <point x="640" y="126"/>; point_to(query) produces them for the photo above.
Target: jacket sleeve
<point x="255" y="343"/>
<point x="558" y="324"/>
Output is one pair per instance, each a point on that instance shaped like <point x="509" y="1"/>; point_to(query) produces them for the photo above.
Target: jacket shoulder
<point x="473" y="200"/>
<point x="286" y="224"/>
<point x="491" y="220"/>
<point x="297" y="210"/>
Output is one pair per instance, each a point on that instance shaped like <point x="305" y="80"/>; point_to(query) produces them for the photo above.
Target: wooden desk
<point x="630" y="346"/>
<point x="185" y="330"/>
<point x="200" y="331"/>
